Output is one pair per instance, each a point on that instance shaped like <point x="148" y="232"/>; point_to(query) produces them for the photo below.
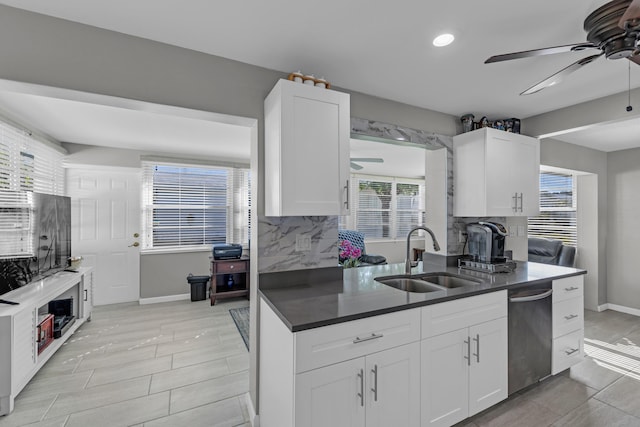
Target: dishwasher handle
<point x="535" y="297"/>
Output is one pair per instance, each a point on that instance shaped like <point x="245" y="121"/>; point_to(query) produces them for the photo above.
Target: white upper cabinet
<point x="496" y="173"/>
<point x="307" y="132"/>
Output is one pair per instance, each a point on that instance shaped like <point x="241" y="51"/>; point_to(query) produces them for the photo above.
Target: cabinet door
<point x="503" y="183"/>
<point x="87" y="296"/>
<point x="445" y="378"/>
<point x="332" y="396"/>
<point x="488" y="370"/>
<point x="526" y="175"/>
<point x="393" y="387"/>
<point x="25" y="350"/>
<point x="306" y="150"/>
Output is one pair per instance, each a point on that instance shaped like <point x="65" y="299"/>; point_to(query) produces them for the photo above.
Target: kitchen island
<point x="338" y="347"/>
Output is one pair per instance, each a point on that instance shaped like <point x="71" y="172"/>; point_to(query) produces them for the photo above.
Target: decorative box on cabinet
<point x="464" y="357"/>
<point x="568" y="323"/>
<point x="229" y="278"/>
<point x="307" y="131"/>
<point x="359" y="373"/>
<point x="496" y="173"/>
<point x="19" y="356"/>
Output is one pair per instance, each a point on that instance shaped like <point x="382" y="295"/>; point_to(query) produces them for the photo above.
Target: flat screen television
<point x="38" y="237"/>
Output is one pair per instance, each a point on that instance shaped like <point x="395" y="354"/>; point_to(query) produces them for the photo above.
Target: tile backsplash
<point x="277" y="243"/>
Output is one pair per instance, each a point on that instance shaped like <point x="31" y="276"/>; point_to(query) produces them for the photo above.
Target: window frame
<point x="237" y="208"/>
<point x="569" y="225"/>
<point x="350" y="221"/>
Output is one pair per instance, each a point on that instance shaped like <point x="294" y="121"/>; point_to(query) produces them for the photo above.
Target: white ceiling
<point x="398" y="160"/>
<point x="384" y="48"/>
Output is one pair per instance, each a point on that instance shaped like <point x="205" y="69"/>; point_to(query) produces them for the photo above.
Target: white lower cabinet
<point x="464" y="371"/>
<point x="568" y="323"/>
<point x="381" y="389"/>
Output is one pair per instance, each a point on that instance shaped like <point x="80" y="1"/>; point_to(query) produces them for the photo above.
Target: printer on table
<point x="226" y="251"/>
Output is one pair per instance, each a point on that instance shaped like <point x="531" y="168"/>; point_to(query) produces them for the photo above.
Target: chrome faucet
<point x="436" y="246"/>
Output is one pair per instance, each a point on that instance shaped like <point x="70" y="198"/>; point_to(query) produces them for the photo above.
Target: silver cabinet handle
<point x="570" y="352"/>
<point x="346" y="202"/>
<point x="521" y="202"/>
<point x="468" y="356"/>
<point x="369" y="338"/>
<point x="571" y="316"/>
<point x="515" y="202"/>
<point x="544" y="294"/>
<point x="361" y="394"/>
<point x="86" y="295"/>
<point x="477" y="353"/>
<point x="573" y="288"/>
<point x="374" y="371"/>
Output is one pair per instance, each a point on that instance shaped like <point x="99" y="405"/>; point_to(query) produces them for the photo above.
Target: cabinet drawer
<point x="330" y="344"/>
<point x="453" y="315"/>
<point x="568" y="350"/>
<point x="226" y="267"/>
<point x="569" y="287"/>
<point x="568" y="316"/>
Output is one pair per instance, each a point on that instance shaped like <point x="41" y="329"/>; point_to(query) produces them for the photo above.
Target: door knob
<point x="136" y="235"/>
<point x="135" y="244"/>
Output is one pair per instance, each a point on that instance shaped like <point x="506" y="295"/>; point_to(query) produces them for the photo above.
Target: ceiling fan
<point x="356" y="166"/>
<point x="614" y="29"/>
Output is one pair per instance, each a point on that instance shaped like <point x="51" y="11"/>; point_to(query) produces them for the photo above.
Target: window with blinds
<point x="16" y="224"/>
<point x="28" y="164"/>
<point x="194" y="205"/>
<point x="384" y="208"/>
<point x="557" y="219"/>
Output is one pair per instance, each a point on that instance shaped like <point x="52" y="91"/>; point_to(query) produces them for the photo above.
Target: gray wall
<point x="563" y="155"/>
<point x="624" y="233"/>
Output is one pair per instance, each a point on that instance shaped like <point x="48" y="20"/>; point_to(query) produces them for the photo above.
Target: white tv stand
<point x="19" y="358"/>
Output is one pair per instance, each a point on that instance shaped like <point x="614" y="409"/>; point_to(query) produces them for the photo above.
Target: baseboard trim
<point x="623" y="309"/>
<point x="602" y="307"/>
<point x="168" y="298"/>
<point x="253" y="417"/>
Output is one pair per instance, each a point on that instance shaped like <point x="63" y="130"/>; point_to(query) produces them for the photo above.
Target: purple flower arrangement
<point x="349" y="254"/>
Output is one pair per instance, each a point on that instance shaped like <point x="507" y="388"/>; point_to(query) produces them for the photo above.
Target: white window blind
<point x="194" y="205"/>
<point x="16" y="218"/>
<point x="28" y="164"/>
<point x="384" y="207"/>
<point x="557" y="219"/>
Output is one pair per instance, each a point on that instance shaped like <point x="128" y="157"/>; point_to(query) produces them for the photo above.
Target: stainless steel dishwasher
<point x="530" y="335"/>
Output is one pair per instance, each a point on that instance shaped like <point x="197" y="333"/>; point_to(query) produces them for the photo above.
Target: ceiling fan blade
<point x="631" y="16"/>
<point x="355" y="166"/>
<point x="560" y="75"/>
<point x="539" y="52"/>
<point x="367" y="159"/>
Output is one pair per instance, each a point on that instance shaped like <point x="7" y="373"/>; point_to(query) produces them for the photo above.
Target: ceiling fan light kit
<point x="613" y="28"/>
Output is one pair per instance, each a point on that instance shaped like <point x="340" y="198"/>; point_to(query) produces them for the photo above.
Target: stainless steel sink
<point x="409" y="284"/>
<point x="448" y="280"/>
<point x="427" y="282"/>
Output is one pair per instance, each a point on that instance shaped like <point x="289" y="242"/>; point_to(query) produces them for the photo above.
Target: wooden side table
<point x="229" y="278"/>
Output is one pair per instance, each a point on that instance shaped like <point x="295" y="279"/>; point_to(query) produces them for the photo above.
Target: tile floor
<point x="184" y="364"/>
<point x="172" y="364"/>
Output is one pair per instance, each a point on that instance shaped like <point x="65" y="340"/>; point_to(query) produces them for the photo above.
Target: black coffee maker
<point x="486" y="241"/>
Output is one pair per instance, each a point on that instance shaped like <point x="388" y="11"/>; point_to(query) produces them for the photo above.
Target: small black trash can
<point x="198" y="287"/>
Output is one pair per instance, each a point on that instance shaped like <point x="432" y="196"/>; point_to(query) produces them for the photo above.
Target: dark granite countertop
<point x="306" y="299"/>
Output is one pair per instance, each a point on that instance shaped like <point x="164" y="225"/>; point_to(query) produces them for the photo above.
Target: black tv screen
<point x="44" y="242"/>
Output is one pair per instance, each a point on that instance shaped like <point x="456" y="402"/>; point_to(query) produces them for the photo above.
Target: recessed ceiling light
<point x="443" y="40"/>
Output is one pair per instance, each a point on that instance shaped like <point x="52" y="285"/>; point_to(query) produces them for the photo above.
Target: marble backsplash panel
<point x="277" y="243"/>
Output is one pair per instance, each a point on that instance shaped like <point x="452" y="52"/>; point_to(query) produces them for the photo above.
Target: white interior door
<point x="105" y="219"/>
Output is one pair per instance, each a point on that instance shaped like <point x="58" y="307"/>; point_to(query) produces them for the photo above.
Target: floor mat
<point x="241" y="318"/>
